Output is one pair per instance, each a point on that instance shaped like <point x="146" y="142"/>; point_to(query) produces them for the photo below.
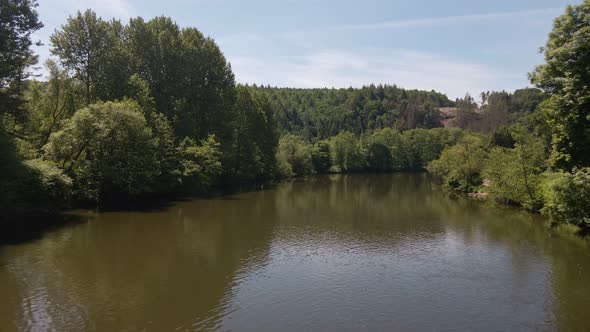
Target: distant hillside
<point x="321" y="113"/>
<point x="448" y="116"/>
<point x="497" y="109"/>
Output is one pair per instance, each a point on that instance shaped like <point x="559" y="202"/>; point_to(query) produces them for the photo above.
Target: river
<point x="389" y="252"/>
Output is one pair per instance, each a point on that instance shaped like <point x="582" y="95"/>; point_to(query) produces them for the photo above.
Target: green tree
<point x="21" y="186"/>
<point x="496" y="113"/>
<point x="525" y="100"/>
<point x="321" y="157"/>
<point x="378" y="148"/>
<point x="293" y="156"/>
<point x="168" y="154"/>
<point x="467" y="117"/>
<point x="83" y="45"/>
<point x="515" y="174"/>
<point x="256" y="138"/>
<point x="109" y="151"/>
<point x="503" y="138"/>
<point x="50" y="103"/>
<point x="317" y="114"/>
<point x="200" y="164"/>
<point x="378" y="157"/>
<point x="18" y="20"/>
<point x="565" y="77"/>
<point x="346" y="152"/>
<point x="188" y="76"/>
<point x="567" y="199"/>
<point x="460" y="165"/>
<point x="32" y="186"/>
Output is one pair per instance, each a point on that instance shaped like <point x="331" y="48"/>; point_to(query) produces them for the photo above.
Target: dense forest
<point x="128" y="112"/>
<point x="321" y="113"/>
<point x="147" y="109"/>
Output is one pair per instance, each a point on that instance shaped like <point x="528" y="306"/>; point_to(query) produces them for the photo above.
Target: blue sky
<point x="453" y="46"/>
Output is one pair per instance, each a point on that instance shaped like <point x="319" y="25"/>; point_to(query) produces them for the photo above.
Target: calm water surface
<point x="333" y="253"/>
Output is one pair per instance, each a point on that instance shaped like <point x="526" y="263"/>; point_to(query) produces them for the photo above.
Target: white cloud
<point x="449" y="20"/>
<point x="299" y="58"/>
<point x="409" y="69"/>
<point x="316" y="66"/>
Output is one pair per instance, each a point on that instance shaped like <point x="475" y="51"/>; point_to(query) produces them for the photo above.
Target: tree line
<point x="146" y="109"/>
<point x="381" y="150"/>
<point x="496" y="109"/>
<point x="317" y="114"/>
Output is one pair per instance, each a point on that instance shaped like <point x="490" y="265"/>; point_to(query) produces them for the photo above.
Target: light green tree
<point x="200" y="165"/>
<point x="346" y="152"/>
<point x="294" y="156"/>
<point x="567" y="199"/>
<point x="50" y="103"/>
<point x="460" y="165"/>
<point x="83" y="45"/>
<point x="515" y="174"/>
<point x="108" y="149"/>
<point x="565" y="78"/>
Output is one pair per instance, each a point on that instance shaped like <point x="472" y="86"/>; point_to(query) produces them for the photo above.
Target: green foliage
<point x="498" y="109"/>
<point x="346" y="152"/>
<point x="515" y="174"/>
<point x="293" y="156"/>
<point x="18" y="20"/>
<point x="180" y="123"/>
<point x="200" y="165"/>
<point x="189" y="78"/>
<point x="378" y="157"/>
<point x="256" y="138"/>
<point x="177" y="72"/>
<point x="502" y="138"/>
<point x="460" y="165"/>
<point x="525" y="100"/>
<point x="139" y="90"/>
<point x="566" y="200"/>
<point x="83" y="46"/>
<point x="166" y="153"/>
<point x="570" y="134"/>
<point x="317" y="114"/>
<point x="108" y="149"/>
<point x="565" y="77"/>
<point x="50" y="103"/>
<point x="383" y="150"/>
<point x="30" y="186"/>
<point x="53" y="182"/>
<point x="321" y="157"/>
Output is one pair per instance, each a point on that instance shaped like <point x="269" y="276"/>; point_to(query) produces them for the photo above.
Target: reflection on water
<point x="335" y="253"/>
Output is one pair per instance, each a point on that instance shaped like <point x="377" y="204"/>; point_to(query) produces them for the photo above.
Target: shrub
<point x="346" y="152"/>
<point x="293" y="156"/>
<point x="321" y="158"/>
<point x="200" y="165"/>
<point x="108" y="149"/>
<point x="566" y="200"/>
<point x="460" y="165"/>
<point x="515" y="174"/>
<point x="53" y="182"/>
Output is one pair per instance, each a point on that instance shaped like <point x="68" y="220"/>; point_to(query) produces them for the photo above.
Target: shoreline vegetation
<point x="144" y="110"/>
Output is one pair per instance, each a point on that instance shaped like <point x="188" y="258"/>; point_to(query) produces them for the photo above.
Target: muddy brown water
<point x="330" y="253"/>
